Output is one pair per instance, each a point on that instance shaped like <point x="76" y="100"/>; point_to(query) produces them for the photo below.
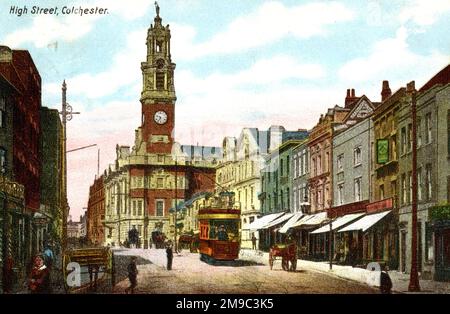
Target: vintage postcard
<point x="224" y="147"/>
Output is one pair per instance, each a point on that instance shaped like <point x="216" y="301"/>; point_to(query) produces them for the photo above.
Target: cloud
<point x="424" y="12"/>
<point x="270" y="23"/>
<point x="392" y="59"/>
<point x="124" y="71"/>
<point x="47" y="29"/>
<point x="263" y="72"/>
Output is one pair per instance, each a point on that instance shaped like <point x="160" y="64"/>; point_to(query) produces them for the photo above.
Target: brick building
<point x="95" y="214"/>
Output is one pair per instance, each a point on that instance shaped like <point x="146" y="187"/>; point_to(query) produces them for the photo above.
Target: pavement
<point x="400" y="281"/>
<point x="243" y="276"/>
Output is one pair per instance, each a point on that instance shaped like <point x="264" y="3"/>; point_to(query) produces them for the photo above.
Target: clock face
<point x="160" y="117"/>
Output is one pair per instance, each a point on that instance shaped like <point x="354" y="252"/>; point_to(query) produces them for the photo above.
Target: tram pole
<point x="176" y="205"/>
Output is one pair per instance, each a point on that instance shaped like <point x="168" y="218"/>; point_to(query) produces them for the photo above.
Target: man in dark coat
<point x="169" y="253"/>
<point x="253" y="241"/>
<point x="385" y="281"/>
<point x="132" y="275"/>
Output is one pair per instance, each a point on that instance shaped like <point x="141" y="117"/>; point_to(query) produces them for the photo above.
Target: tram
<point x="219" y="238"/>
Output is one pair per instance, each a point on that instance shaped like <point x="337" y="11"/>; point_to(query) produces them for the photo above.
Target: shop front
<point x="440" y="229"/>
<point x="13" y="233"/>
<point x="263" y="233"/>
<point x="374" y="237"/>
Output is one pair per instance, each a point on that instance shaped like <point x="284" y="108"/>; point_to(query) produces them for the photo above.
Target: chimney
<point x="385" y="91"/>
<point x="411" y="86"/>
<point x="350" y="97"/>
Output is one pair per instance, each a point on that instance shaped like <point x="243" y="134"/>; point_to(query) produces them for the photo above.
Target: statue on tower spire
<point x="157" y="8"/>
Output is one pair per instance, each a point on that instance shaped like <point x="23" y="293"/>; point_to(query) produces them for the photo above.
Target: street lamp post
<point x="176" y="204"/>
<point x="330" y="249"/>
<point x="66" y="115"/>
<point x="414" y="285"/>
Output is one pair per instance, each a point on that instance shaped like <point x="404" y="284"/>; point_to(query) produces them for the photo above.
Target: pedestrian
<point x="48" y="256"/>
<point x="132" y="275"/>
<point x="385" y="281"/>
<point x="93" y="276"/>
<point x="169" y="253"/>
<point x="253" y="241"/>
<point x="39" y="281"/>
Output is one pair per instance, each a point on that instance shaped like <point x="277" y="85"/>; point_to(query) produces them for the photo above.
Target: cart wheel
<point x="270" y="261"/>
<point x="294" y="264"/>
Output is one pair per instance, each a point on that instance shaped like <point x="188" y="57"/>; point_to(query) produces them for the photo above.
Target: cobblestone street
<point x="190" y="275"/>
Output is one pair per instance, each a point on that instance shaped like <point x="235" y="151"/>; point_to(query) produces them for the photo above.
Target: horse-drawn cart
<point x="91" y="261"/>
<point x="287" y="253"/>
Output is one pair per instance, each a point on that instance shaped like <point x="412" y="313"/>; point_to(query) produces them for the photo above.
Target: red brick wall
<point x="151" y="127"/>
<point x="26" y="128"/>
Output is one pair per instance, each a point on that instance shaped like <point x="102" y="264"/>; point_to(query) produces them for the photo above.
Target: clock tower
<point x="158" y="91"/>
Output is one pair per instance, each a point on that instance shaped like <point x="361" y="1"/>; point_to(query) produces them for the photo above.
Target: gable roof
<point x="363" y="104"/>
<point x="441" y="78"/>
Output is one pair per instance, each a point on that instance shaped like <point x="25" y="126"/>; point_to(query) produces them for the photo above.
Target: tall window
<point x="159" y="182"/>
<point x="305" y="161"/>
<point x="428" y="182"/>
<point x="134" y="208"/>
<point x="419" y="132"/>
<point x="409" y="137"/>
<point x="159" y="208"/>
<point x="287" y="165"/>
<point x="251" y="195"/>
<point x="281" y="166"/>
<point x="357" y="156"/>
<point x="327" y="161"/>
<point x="319" y="164"/>
<point x="295" y="166"/>
<point x="314" y="167"/>
<point x="160" y="77"/>
<point x="404" y="200"/>
<point x="340" y="163"/>
<point x="2" y="160"/>
<point x="428" y="128"/>
<point x="2" y="111"/>
<point x="319" y="198"/>
<point x="288" y="199"/>
<point x="410" y="187"/>
<point x="139" y="207"/>
<point x="403" y="139"/>
<point x="358" y="189"/>
<point x="419" y="184"/>
<point x="340" y="194"/>
<point x="382" y="192"/>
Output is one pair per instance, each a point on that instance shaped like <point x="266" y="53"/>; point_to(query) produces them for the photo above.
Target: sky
<point x="239" y="63"/>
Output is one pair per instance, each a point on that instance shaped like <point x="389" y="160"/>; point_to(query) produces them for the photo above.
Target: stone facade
<point x="352" y="155"/>
<point x="240" y="171"/>
<point x="320" y="146"/>
<point x="300" y="173"/>
<point x="433" y="169"/>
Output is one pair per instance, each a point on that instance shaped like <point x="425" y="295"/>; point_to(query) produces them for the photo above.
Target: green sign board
<point x="382" y="151"/>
